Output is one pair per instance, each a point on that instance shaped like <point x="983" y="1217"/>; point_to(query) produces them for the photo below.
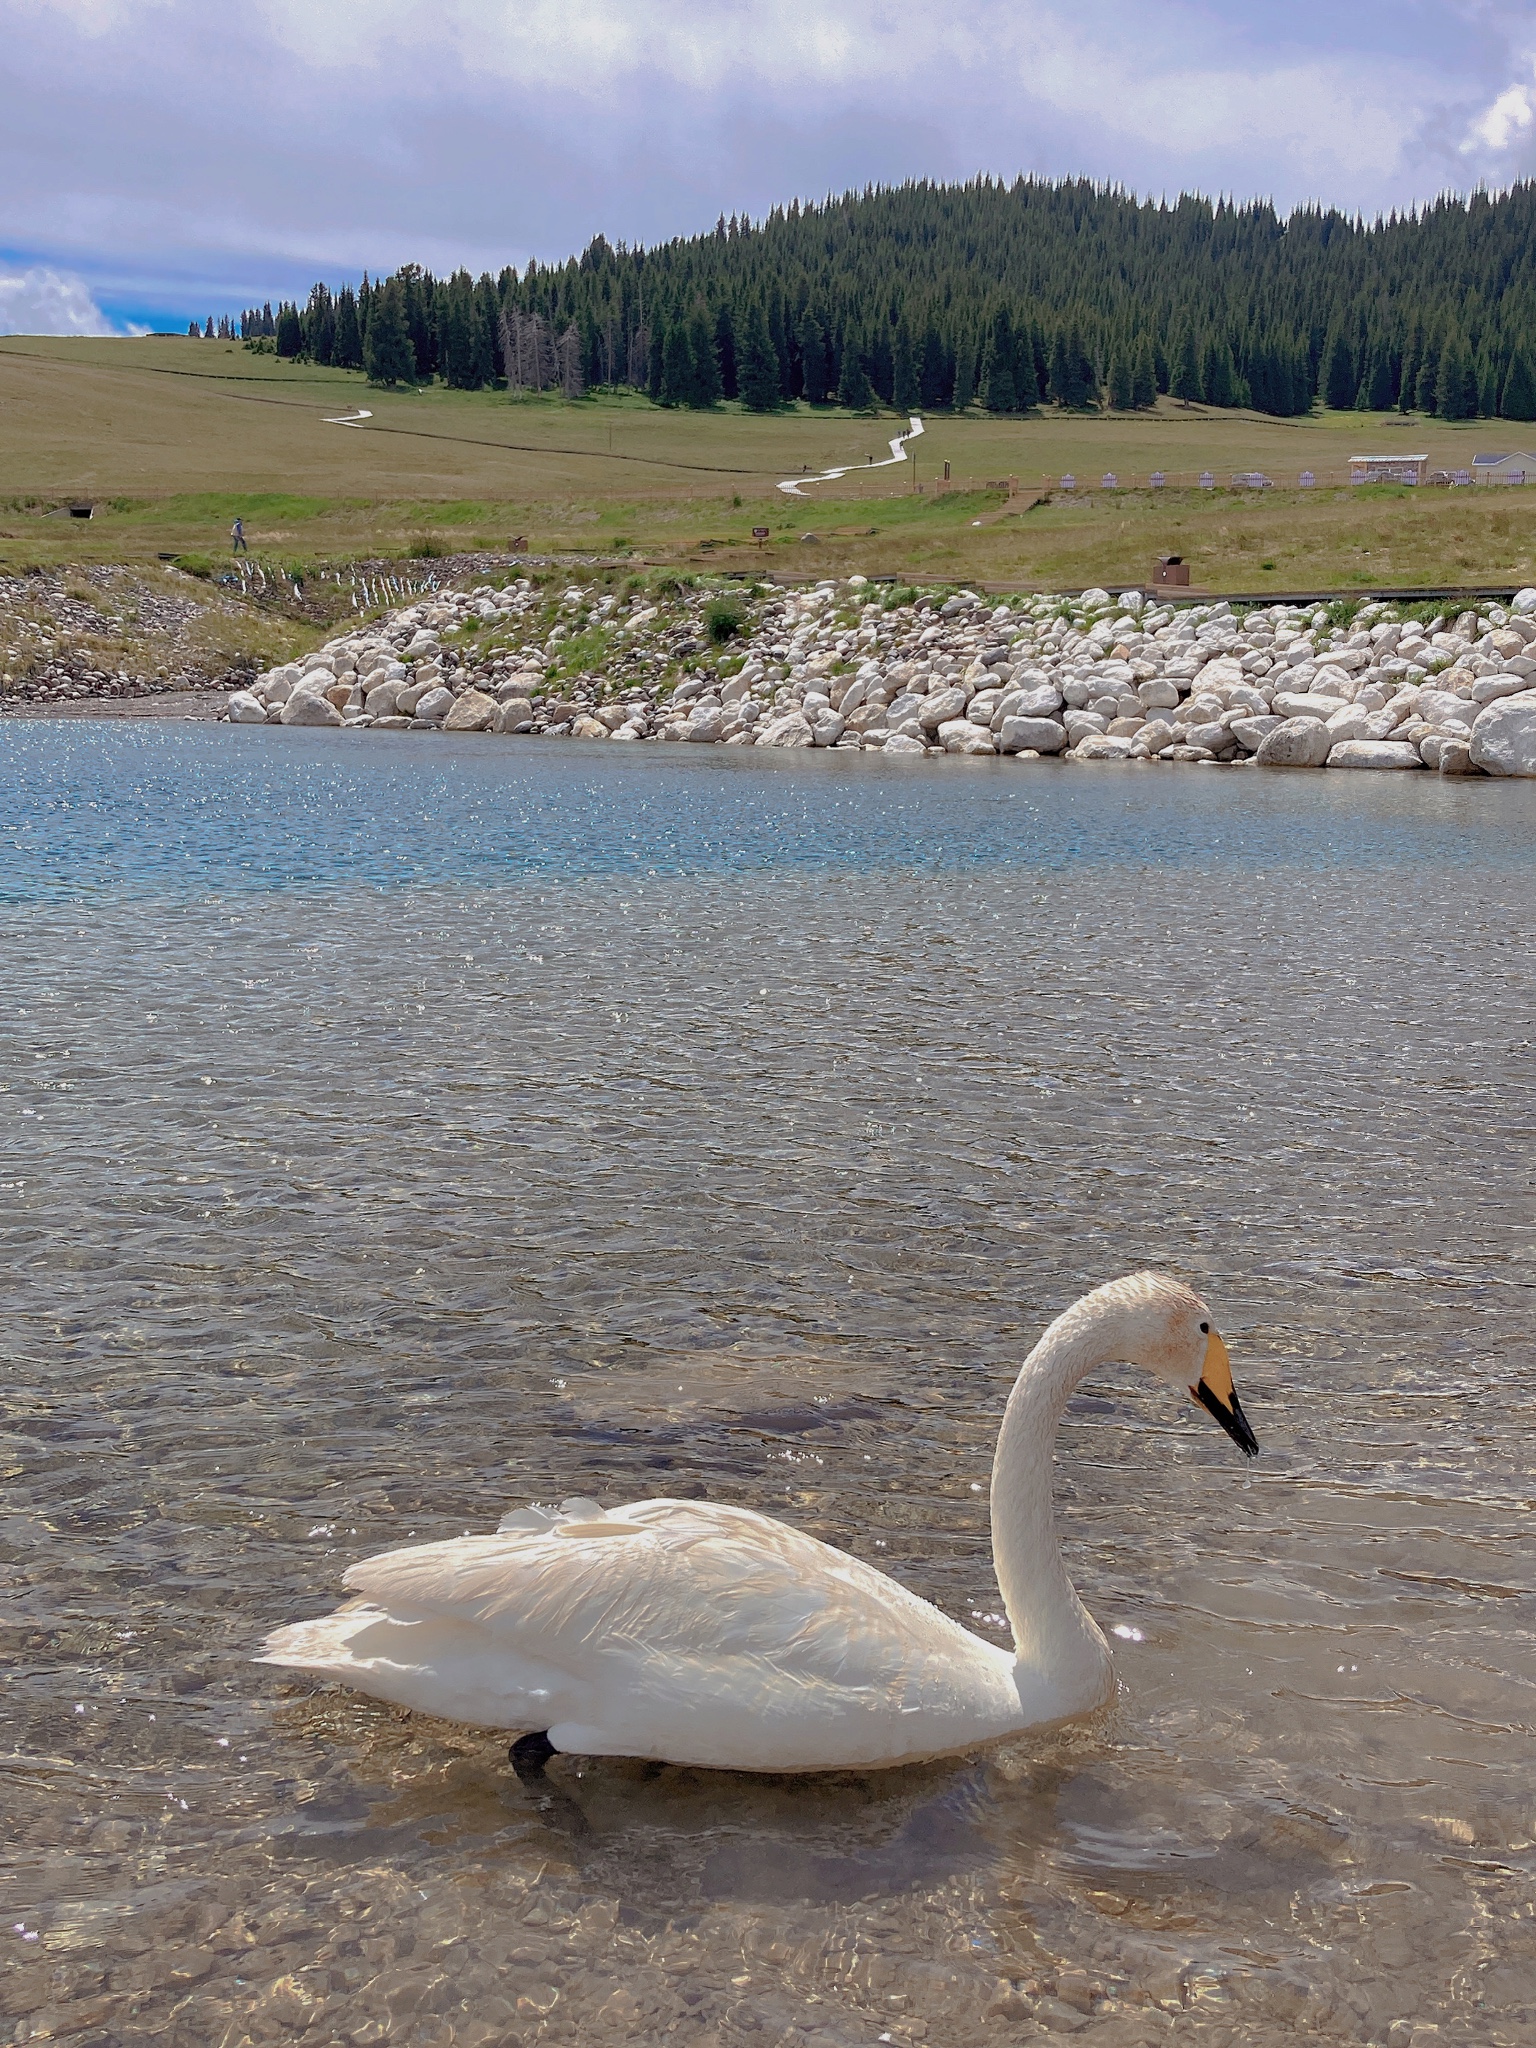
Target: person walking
<point x="237" y="536"/>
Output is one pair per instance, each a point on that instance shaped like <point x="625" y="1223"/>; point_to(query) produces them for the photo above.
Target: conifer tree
<point x="997" y="387"/>
<point x="757" y="362"/>
<point x="906" y="372"/>
<point x="1058" y="386"/>
<point x="854" y="389"/>
<point x="725" y="351"/>
<point x="1144" y="377"/>
<point x="708" y="387"/>
<point x="878" y="361"/>
<point x="1377" y="383"/>
<point x="1085" y="373"/>
<point x="1456" y="385"/>
<point x="485" y="313"/>
<point x="1220" y="379"/>
<point x="1184" y="384"/>
<point x="455" y="334"/>
<point x="1339" y="382"/>
<point x="347" y="351"/>
<point x="389" y="357"/>
<point x="1519" y="395"/>
<point x="965" y="372"/>
<point x="1408" y="378"/>
<point x="779" y="332"/>
<point x="938" y="373"/>
<point x="416" y="304"/>
<point x="290" y="335"/>
<point x="813" y="359"/>
<point x="677" y="371"/>
<point x="1427" y="383"/>
<point x="1122" y="382"/>
<point x="1486" y="378"/>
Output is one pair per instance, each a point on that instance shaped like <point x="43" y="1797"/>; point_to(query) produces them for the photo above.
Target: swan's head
<point x="1174" y="1334"/>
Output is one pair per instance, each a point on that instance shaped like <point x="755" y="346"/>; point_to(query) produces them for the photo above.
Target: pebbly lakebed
<point x="395" y="1135"/>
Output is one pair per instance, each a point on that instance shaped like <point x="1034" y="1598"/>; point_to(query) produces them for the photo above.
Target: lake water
<point x="397" y="1132"/>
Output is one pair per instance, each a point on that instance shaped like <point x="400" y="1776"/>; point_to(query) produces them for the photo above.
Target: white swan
<point x="695" y="1633"/>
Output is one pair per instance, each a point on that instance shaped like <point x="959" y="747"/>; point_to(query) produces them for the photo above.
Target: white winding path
<point x="351" y="419"/>
<point x="792" y="485"/>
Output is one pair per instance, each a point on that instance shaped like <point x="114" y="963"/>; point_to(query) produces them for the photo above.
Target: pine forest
<point x="1003" y="296"/>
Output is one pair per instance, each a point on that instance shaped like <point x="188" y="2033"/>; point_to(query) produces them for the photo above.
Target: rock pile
<point x="103" y="634"/>
<point x="1088" y="678"/>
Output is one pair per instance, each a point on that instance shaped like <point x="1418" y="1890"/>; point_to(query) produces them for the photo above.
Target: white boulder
<point x="245" y="708"/>
<point x="1102" y="746"/>
<point x="1444" y="707"/>
<point x="1303" y="704"/>
<point x="1040" y="700"/>
<point x="382" y="700"/>
<point x="1251" y="733"/>
<point x="1295" y="743"/>
<point x="434" y="704"/>
<point x="960" y="736"/>
<point x="939" y="706"/>
<point x="1504" y="735"/>
<point x="306" y="707"/>
<point x="789" y="731"/>
<point x="475" y="711"/>
<point x="705" y="724"/>
<point x="1374" y="754"/>
<point x="1038" y="735"/>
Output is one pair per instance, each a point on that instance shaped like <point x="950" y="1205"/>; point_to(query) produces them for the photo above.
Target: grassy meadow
<point x="170" y="438"/>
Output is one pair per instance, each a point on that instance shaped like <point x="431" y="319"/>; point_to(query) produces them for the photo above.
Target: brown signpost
<point x="760" y="534"/>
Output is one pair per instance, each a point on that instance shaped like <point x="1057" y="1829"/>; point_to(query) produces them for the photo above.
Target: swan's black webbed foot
<point x="528" y="1756"/>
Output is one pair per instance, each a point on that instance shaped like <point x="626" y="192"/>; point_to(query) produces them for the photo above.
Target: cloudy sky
<point x="160" y="158"/>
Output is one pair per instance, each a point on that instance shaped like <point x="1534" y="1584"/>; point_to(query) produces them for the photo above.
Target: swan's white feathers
<point x="664" y="1578"/>
<point x="664" y="1628"/>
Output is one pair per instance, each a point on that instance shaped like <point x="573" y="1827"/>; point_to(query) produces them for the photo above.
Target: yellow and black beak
<point x="1216" y="1392"/>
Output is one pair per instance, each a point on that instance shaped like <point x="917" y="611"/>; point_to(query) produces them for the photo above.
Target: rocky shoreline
<point x="851" y="666"/>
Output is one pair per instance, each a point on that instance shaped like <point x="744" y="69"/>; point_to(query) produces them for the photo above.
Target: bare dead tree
<point x="568" y="357"/>
<point x="511" y="354"/>
<point x="638" y="371"/>
<point x="529" y="352"/>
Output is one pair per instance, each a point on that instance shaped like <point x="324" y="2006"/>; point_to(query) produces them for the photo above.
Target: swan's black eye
<point x="1205" y="1329"/>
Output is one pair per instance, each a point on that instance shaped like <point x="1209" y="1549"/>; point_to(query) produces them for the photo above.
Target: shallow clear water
<point x="396" y="1133"/>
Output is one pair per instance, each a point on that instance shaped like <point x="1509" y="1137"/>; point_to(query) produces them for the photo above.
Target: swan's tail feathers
<point x="540" y="1519"/>
<point x="323" y="1644"/>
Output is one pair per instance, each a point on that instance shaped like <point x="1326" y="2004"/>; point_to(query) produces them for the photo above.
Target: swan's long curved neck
<point x="1053" y="1633"/>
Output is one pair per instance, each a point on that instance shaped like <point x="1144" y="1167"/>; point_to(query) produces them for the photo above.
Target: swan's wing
<point x="663" y="1579"/>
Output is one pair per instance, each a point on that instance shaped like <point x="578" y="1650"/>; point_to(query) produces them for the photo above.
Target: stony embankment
<point x="851" y="666"/>
<point x="98" y="635"/>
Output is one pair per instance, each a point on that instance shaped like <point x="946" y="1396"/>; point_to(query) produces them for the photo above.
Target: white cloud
<point x="239" y="152"/>
<point x="44" y="301"/>
<point x="1509" y="117"/>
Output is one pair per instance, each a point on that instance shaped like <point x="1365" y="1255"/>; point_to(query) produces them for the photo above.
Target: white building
<point x="1504" y="469"/>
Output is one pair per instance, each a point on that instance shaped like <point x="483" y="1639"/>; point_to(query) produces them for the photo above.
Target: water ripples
<point x="393" y="1136"/>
